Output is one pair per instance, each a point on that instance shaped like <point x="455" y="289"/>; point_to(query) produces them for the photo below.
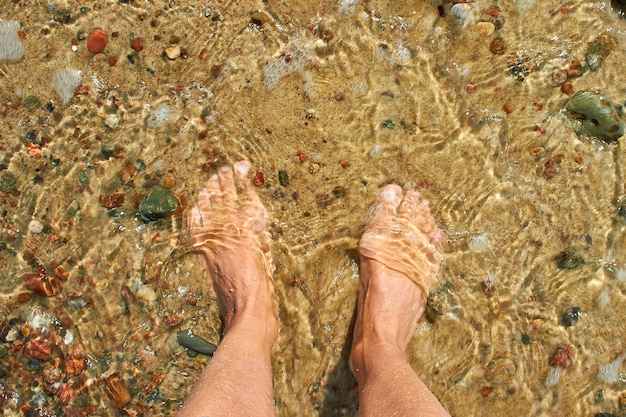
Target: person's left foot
<point x="230" y="230"/>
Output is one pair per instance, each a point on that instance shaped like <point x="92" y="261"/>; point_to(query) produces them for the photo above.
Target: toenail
<point x="389" y="193"/>
<point x="213" y="178"/>
<point x="225" y="168"/>
<point x="425" y="202"/>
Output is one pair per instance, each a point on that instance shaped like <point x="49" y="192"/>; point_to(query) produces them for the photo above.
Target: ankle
<point x="366" y="356"/>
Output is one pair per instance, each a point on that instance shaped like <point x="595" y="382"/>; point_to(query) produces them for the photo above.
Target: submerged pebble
<point x="35" y="226"/>
<point x="158" y="204"/>
<point x="190" y="341"/>
<point x="7" y="182"/>
<point x="570" y="317"/>
<point x="594" y="115"/>
<point x="569" y="259"/>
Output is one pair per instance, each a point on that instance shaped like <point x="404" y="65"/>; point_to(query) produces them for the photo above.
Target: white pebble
<point x="69" y="337"/>
<point x="146" y="294"/>
<point x="35" y="226"/>
<point x="112" y="121"/>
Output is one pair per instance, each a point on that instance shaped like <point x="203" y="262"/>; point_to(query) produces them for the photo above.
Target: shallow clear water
<point x="367" y="93"/>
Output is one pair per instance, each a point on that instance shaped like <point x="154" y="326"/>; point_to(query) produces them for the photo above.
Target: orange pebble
<point x="97" y="41"/>
<point x="568" y="88"/>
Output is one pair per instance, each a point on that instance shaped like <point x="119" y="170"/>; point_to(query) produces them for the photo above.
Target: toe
<point x="437" y="237"/>
<point x="212" y="194"/>
<point x="385" y="206"/>
<point x="227" y="184"/>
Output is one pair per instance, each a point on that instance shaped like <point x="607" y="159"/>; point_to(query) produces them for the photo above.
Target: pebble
<point x="173" y="52"/>
<point x="485" y="28"/>
<point x="146" y="294"/>
<point x="97" y="41"/>
<point x="117" y="391"/>
<point x="137" y="44"/>
<point x="112" y="121"/>
<point x="35" y="226"/>
<point x="570" y="317"/>
<point x="568" y="88"/>
<point x="497" y="46"/>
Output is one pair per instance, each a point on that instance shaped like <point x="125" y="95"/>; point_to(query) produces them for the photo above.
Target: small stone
<point x="7" y="182"/>
<point x="485" y="28"/>
<point x="575" y="69"/>
<point x="35" y="226"/>
<point x="567" y="88"/>
<point x="42" y="283"/>
<point x="146" y="294"/>
<point x="168" y="182"/>
<point x="594" y="115"/>
<point x="172" y="52"/>
<point x="24" y="297"/>
<point x="314" y="167"/>
<point x="116" y="391"/>
<point x="283" y="178"/>
<point x="508" y="107"/>
<point x="569" y="259"/>
<point x="570" y="317"/>
<point x="111" y="200"/>
<point x="99" y="57"/>
<point x="497" y="46"/>
<point x="158" y="204"/>
<point x="97" y="41"/>
<point x="137" y="44"/>
<point x="112" y="121"/>
<point x="259" y="179"/>
<point x="112" y="60"/>
<point x="559" y="76"/>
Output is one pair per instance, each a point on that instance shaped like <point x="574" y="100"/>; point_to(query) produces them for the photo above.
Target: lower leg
<point x="399" y="261"/>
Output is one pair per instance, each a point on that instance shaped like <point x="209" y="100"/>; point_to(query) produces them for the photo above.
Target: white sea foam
<point x="479" y="243"/>
<point x="610" y="372"/>
<point x="65" y="81"/>
<point x="605" y="298"/>
<point x="160" y="115"/>
<point x="11" y="48"/>
<point x="490" y="281"/>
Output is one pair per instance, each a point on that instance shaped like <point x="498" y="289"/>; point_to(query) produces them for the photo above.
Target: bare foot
<point x="230" y="230"/>
<point x="400" y="257"/>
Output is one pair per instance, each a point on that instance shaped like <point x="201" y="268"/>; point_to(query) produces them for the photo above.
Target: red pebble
<point x="562" y="358"/>
<point x="137" y="44"/>
<point x="112" y="60"/>
<point x="97" y="41"/>
<point x="259" y="179"/>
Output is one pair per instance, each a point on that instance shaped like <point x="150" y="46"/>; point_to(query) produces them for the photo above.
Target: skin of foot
<point x="229" y="228"/>
<point x="400" y="253"/>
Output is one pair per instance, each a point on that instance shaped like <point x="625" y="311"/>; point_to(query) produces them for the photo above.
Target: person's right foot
<point x="400" y="252"/>
<point x="230" y="231"/>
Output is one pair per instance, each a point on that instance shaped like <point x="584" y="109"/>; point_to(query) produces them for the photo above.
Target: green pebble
<point x="7" y="182"/>
<point x="389" y="124"/>
<point x="594" y="115"/>
<point x="526" y="339"/>
<point x="31" y="103"/>
<point x="569" y="259"/>
<point x="158" y="204"/>
<point x="283" y="178"/>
